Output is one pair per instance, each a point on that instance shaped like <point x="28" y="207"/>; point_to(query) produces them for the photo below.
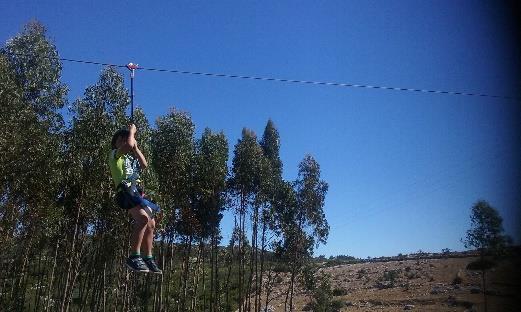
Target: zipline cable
<point x="310" y="82"/>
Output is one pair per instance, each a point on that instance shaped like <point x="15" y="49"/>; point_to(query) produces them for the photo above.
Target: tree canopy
<point x="59" y="221"/>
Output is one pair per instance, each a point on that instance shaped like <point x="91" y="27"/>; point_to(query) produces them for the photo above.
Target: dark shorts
<point x="128" y="198"/>
<point x="127" y="201"/>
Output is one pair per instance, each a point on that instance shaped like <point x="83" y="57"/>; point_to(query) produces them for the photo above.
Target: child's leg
<point x="141" y="220"/>
<point x="148" y="238"/>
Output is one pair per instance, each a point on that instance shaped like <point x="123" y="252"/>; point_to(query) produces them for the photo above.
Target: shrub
<point x="457" y="280"/>
<point x="332" y="263"/>
<point x="281" y="268"/>
<point x="391" y="276"/>
<point x="361" y="273"/>
<point x="336" y="305"/>
<point x="322" y="295"/>
<point x="308" y="307"/>
<point x="308" y="277"/>
<point x="339" y="292"/>
<point x="481" y="265"/>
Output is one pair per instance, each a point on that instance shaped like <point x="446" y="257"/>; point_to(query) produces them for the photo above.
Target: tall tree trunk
<point x="217" y="288"/>
<point x="289" y="293"/>
<point x="295" y="265"/>
<point x="212" y="272"/>
<point x="18" y="287"/>
<point x="483" y="280"/>
<point x="253" y="261"/>
<point x="197" y="274"/>
<point x="263" y="249"/>
<point x="163" y="263"/>
<point x="66" y="290"/>
<point x="230" y="265"/>
<point x="185" y="273"/>
<point x="204" y="279"/>
<point x="51" y="280"/>
<point x="242" y="218"/>
<point x="269" y="284"/>
<point x="292" y="287"/>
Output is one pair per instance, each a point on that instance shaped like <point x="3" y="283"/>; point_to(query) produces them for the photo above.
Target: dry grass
<point x="428" y="285"/>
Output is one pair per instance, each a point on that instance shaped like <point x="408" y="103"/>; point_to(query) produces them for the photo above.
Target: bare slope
<point x="418" y="285"/>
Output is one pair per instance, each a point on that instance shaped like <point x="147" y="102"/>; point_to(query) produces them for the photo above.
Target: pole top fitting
<point x="132" y="66"/>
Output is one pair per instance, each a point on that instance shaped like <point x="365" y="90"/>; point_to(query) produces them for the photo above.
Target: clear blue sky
<point x="403" y="168"/>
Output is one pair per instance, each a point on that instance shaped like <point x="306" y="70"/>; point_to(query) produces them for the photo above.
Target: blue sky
<point x="403" y="168"/>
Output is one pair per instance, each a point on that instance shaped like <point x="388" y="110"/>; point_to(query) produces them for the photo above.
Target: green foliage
<point x="323" y="295"/>
<point x="271" y="174"/>
<point x="345" y="258"/>
<point x="308" y="277"/>
<point x="246" y="165"/>
<point x="481" y="265"/>
<point x="298" y="209"/>
<point x="35" y="64"/>
<point x="270" y="145"/>
<point x="173" y="161"/>
<point x="311" y="194"/>
<point x="64" y="234"/>
<point x="30" y="95"/>
<point x="361" y="273"/>
<point x="457" y="280"/>
<point x="210" y="174"/>
<point x="95" y="118"/>
<point x="391" y="276"/>
<point x="339" y="260"/>
<point x="281" y="268"/>
<point x="486" y="231"/>
<point x="339" y="292"/>
<point x="337" y="305"/>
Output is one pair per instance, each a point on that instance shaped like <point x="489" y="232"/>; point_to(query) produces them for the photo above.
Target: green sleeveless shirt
<point x="121" y="167"/>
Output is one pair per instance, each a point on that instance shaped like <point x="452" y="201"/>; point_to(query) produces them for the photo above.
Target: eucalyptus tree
<point x="173" y="160"/>
<point x="311" y="195"/>
<point x="487" y="235"/>
<point x="37" y="69"/>
<point x="209" y="196"/>
<point x="245" y="183"/>
<point x="31" y="96"/>
<point x="271" y="179"/>
<point x="289" y="243"/>
<point x="173" y="156"/>
<point x="270" y="145"/>
<point x="313" y="228"/>
<point x="302" y="224"/>
<point x="31" y="72"/>
<point x="12" y="113"/>
<point x="96" y="230"/>
<point x="486" y="232"/>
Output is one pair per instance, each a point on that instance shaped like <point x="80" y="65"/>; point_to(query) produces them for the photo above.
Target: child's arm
<point x="129" y="143"/>
<point x="140" y="157"/>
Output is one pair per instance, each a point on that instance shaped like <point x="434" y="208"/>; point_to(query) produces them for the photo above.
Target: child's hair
<point x="120" y="133"/>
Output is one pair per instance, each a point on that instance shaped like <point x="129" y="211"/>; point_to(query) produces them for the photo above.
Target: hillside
<point x="419" y="285"/>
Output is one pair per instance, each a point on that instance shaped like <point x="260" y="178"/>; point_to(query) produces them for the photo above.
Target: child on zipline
<point x="122" y="170"/>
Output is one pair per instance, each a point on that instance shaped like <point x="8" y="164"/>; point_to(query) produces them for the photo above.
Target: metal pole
<point x="132" y="67"/>
<point x="132" y="96"/>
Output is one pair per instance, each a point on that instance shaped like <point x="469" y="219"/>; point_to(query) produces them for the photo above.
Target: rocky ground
<point x="417" y="285"/>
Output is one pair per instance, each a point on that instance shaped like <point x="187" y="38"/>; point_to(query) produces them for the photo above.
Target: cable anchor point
<point x="132" y="67"/>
